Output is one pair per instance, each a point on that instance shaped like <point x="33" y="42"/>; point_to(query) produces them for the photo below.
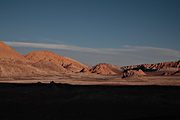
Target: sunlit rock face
<point x="35" y="63"/>
<point x="106" y="69"/>
<point x="133" y="73"/>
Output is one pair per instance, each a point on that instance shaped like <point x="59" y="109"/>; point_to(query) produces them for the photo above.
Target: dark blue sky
<point x="129" y="31"/>
<point x="92" y="23"/>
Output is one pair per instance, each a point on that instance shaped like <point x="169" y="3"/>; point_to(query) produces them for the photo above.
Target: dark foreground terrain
<point x="68" y="102"/>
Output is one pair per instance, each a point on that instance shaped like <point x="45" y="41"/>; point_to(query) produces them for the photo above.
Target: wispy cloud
<point x="52" y="46"/>
<point x="125" y="55"/>
<point x="126" y="48"/>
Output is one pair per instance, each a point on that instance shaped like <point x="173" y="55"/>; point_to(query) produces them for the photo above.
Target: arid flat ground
<point x="82" y="96"/>
<point x="78" y="102"/>
<point x="95" y="79"/>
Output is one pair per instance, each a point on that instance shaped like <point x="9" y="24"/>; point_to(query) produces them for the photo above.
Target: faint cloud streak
<point x="125" y="55"/>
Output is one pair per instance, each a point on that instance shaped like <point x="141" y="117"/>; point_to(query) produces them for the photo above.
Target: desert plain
<point x="46" y="66"/>
<point x="44" y="85"/>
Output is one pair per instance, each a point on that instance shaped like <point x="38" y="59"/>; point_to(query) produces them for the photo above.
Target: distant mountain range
<point x="42" y="63"/>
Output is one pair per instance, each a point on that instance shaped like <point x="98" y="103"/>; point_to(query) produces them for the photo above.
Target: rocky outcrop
<point x="153" y="67"/>
<point x="106" y="69"/>
<point x="133" y="73"/>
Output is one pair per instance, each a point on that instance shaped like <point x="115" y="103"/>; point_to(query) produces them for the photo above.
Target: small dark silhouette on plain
<point x="39" y="83"/>
<point x="52" y="83"/>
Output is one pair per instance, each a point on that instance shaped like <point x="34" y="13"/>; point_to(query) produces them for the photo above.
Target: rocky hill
<point x="164" y="68"/>
<point x="47" y="59"/>
<point x="14" y="64"/>
<point x="38" y="63"/>
<point x="8" y="53"/>
<point x="106" y="69"/>
<point x="35" y="63"/>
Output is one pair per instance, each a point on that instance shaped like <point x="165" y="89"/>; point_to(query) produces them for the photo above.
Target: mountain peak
<point x="6" y="52"/>
<point x="50" y="57"/>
